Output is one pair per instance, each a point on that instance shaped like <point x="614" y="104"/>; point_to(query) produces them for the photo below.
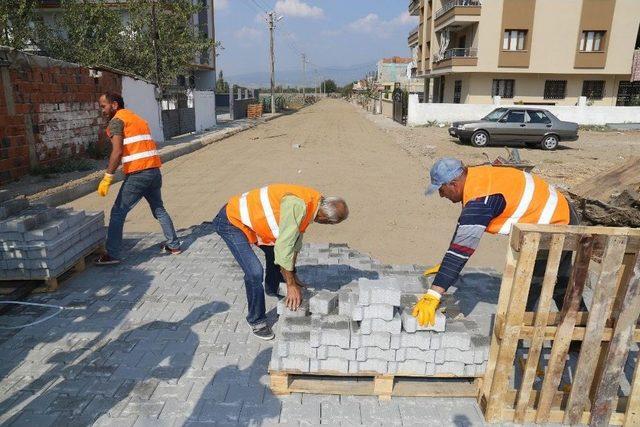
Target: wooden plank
<point x="572" y="239"/>
<point x="576" y="229"/>
<point x="542" y="314"/>
<point x="632" y="414"/>
<point x="383" y="386"/>
<point x="578" y="333"/>
<point x="557" y="415"/>
<point x="279" y="383"/>
<point x="513" y="322"/>
<point x="607" y="389"/>
<point x="501" y="310"/>
<point x="564" y="332"/>
<point x="602" y="297"/>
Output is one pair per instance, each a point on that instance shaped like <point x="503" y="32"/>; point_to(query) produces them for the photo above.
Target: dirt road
<point x="380" y="168"/>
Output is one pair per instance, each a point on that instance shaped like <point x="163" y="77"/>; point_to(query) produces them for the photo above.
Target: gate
<point x="178" y="114"/>
<point x="573" y="366"/>
<point x="399" y="105"/>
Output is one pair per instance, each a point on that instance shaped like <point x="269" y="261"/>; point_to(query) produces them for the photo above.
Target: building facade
<point x="397" y="70"/>
<point x="545" y="52"/>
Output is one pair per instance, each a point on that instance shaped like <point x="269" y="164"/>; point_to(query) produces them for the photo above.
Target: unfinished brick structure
<point x="48" y="111"/>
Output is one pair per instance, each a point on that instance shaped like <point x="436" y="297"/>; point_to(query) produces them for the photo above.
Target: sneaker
<point x="167" y="249"/>
<point x="106" y="259"/>
<point x="263" y="332"/>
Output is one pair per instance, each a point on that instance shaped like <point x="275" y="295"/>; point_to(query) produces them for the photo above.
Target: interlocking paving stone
<point x="164" y="338"/>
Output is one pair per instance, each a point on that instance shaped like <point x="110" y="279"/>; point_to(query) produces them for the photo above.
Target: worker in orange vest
<point x="274" y="218"/>
<point x="132" y="144"/>
<point x="493" y="199"/>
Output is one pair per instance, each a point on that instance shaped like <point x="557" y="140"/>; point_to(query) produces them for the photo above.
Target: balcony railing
<point x="464" y="52"/>
<point x="413" y="34"/>
<point x="453" y="3"/>
<point x="413" y="6"/>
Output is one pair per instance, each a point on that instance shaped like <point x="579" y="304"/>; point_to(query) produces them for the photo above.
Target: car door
<point x="512" y="126"/>
<point x="539" y="124"/>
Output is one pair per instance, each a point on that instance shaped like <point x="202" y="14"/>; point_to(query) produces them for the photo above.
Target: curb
<point x="87" y="184"/>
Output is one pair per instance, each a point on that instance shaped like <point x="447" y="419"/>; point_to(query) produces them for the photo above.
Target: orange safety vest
<point x="139" y="151"/>
<point x="528" y="197"/>
<point x="257" y="212"/>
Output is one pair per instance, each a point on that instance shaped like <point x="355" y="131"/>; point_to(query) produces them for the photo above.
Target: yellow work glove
<point x="432" y="270"/>
<point x="103" y="187"/>
<point x="425" y="309"/>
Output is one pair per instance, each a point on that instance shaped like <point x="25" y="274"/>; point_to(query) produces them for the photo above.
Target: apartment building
<point x="545" y="52"/>
<point x="397" y="70"/>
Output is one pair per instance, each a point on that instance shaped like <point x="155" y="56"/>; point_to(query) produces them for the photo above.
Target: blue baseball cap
<point x="443" y="172"/>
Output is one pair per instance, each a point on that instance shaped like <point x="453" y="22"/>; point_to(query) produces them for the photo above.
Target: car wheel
<point x="549" y="142"/>
<point x="480" y="138"/>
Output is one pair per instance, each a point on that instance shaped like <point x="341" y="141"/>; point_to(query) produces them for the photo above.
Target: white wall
<point x="204" y="103"/>
<point x="140" y="97"/>
<point x="420" y="114"/>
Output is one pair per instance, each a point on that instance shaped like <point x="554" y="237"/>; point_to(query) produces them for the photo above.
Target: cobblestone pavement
<point x="162" y="340"/>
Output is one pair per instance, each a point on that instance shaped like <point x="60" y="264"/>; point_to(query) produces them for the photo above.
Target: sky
<point x="332" y="33"/>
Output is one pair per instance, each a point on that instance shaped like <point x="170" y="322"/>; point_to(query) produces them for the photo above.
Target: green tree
<point x="17" y="18"/>
<point x="347" y="90"/>
<point x="330" y="86"/>
<point x="94" y="33"/>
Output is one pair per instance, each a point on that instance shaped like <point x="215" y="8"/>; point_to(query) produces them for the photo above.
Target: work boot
<point x="166" y="249"/>
<point x="263" y="332"/>
<point x="106" y="259"/>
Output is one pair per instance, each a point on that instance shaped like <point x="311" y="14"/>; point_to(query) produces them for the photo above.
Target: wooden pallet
<point x="51" y="284"/>
<point x="372" y="384"/>
<point x="606" y="331"/>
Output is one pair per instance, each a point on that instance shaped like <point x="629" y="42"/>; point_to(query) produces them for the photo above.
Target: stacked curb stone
<point x="367" y="328"/>
<point x="38" y="242"/>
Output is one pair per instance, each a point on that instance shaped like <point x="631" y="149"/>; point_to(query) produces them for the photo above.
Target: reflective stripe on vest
<point x="523" y="206"/>
<point x="137" y="138"/>
<point x="138" y="156"/>
<point x="549" y="207"/>
<point x="268" y="212"/>
<point x="244" y="211"/>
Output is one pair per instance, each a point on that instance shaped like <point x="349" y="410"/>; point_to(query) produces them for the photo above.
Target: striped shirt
<point x="474" y="219"/>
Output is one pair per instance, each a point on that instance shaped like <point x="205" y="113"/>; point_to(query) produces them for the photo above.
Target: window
<point x="514" y="39"/>
<point x="515" y="116"/>
<point x="536" y="116"/>
<point x="593" y="89"/>
<point x="592" y="41"/>
<point x="503" y="88"/>
<point x="457" y="91"/>
<point x="555" y="89"/>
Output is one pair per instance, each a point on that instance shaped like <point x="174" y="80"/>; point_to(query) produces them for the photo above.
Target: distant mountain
<point x="293" y="77"/>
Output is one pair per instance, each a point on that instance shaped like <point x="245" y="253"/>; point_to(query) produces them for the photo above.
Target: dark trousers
<point x="253" y="273"/>
<point x="564" y="273"/>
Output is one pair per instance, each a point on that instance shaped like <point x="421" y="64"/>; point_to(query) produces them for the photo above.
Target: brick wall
<point x="48" y="111"/>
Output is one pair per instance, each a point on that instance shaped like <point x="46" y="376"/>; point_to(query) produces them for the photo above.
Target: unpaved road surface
<point x="378" y="166"/>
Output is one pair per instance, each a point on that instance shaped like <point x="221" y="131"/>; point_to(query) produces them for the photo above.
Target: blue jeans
<point x="147" y="184"/>
<point x="243" y="253"/>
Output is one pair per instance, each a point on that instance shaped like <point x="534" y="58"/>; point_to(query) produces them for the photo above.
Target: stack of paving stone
<point x="367" y="328"/>
<point x="39" y="242"/>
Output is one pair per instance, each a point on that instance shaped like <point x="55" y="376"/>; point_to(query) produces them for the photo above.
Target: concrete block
<point x="431" y="369"/>
<point x="408" y="367"/>
<point x="419" y="339"/>
<point x="296" y="344"/>
<point x="457" y="336"/>
<point x="13" y="207"/>
<point x="373" y="365"/>
<point x="332" y="364"/>
<point x="375" y="339"/>
<point x="412" y="353"/>
<point x="436" y="341"/>
<point x="469" y="370"/>
<point x="440" y="359"/>
<point x="284" y="311"/>
<point x="373" y="311"/>
<point x="294" y="324"/>
<point x="367" y="326"/>
<point x="323" y="302"/>
<point x="331" y="351"/>
<point x="480" y="345"/>
<point x="451" y="368"/>
<point x="295" y="363"/>
<point x="331" y="330"/>
<point x="346" y="302"/>
<point x="396" y="340"/>
<point x="365" y="353"/>
<point x="410" y="323"/>
<point x="382" y="291"/>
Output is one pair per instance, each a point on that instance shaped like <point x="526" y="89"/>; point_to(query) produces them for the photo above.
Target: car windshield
<point x="495" y="115"/>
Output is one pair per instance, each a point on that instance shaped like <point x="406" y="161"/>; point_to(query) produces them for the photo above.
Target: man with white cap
<point x="493" y="199"/>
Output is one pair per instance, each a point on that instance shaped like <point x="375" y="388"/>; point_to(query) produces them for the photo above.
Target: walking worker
<point x="274" y="218"/>
<point x="132" y="144"/>
<point x="493" y="199"/>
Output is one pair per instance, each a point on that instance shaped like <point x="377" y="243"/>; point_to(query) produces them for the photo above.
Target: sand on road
<point x="342" y="153"/>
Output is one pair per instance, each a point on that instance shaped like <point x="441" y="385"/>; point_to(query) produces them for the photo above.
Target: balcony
<point x="414" y="8"/>
<point x="412" y="40"/>
<point x="467" y="56"/>
<point x="462" y="10"/>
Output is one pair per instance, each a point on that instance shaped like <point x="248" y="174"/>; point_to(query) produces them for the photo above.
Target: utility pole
<point x="304" y="74"/>
<point x="271" y="21"/>
<point x="154" y="42"/>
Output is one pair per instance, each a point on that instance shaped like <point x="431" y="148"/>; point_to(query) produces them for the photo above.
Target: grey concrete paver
<point x="162" y="340"/>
